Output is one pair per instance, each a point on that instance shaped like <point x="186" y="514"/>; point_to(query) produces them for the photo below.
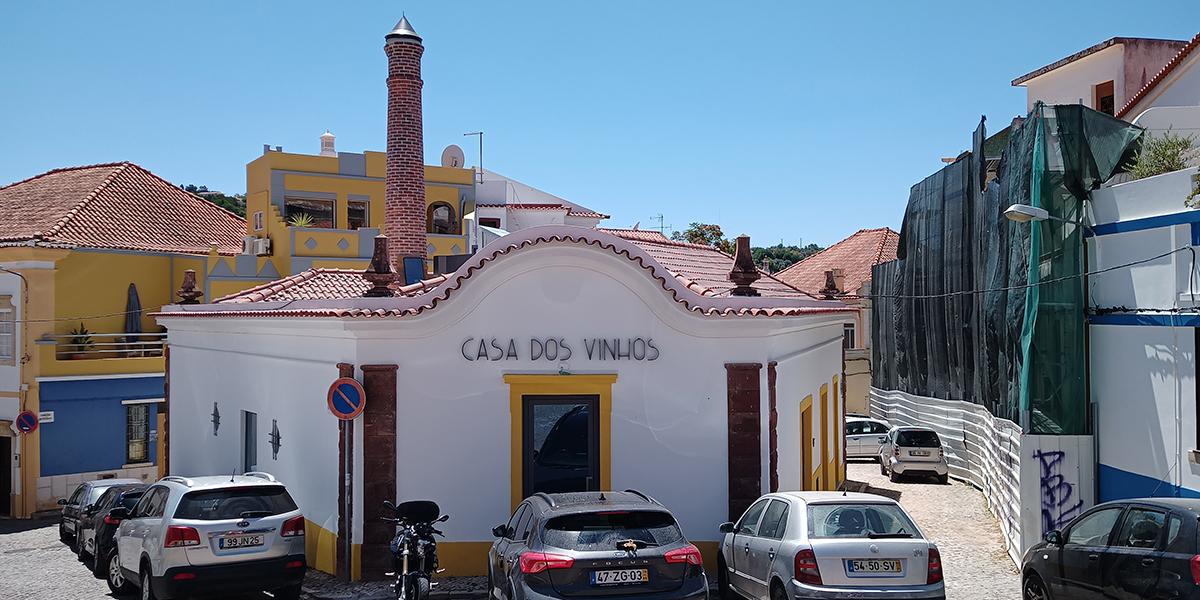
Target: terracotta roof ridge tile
<point x="74" y="210"/>
<point x="883" y="241"/>
<point x="1161" y="75"/>
<point x="64" y="170"/>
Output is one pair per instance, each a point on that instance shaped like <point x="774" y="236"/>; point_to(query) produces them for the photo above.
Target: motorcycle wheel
<point x="422" y="589"/>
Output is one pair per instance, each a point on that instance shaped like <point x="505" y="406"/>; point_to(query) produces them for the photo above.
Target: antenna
<point x="662" y="228"/>
<point x="231" y="475"/>
<point x="480" y="134"/>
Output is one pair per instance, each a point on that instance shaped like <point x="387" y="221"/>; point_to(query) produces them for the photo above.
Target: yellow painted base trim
<point x="463" y="559"/>
<point x="557" y="385"/>
<point x="320" y="547"/>
<point x="708" y="550"/>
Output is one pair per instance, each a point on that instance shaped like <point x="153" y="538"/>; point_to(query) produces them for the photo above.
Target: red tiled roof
<point x="115" y="205"/>
<point x="312" y="291"/>
<point x="514" y="205"/>
<point x="583" y="212"/>
<point x="703" y="265"/>
<point x="854" y="255"/>
<point x="1162" y="74"/>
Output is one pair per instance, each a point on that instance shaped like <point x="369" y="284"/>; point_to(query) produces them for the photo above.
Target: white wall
<point x="1057" y="482"/>
<point x="669" y="416"/>
<point x="1180" y="88"/>
<point x="520" y="218"/>
<point x="1074" y="81"/>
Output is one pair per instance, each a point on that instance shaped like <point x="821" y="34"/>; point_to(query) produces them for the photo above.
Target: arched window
<point x="441" y="219"/>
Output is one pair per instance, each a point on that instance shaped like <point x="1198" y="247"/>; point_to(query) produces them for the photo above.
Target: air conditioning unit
<point x="248" y="244"/>
<point x="262" y="246"/>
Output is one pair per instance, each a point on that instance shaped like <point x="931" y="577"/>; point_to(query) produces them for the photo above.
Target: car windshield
<point x="95" y="493"/>
<point x="918" y="439"/>
<point x="858" y="520"/>
<point x="130" y="499"/>
<point x="235" y="503"/>
<point x="608" y="530"/>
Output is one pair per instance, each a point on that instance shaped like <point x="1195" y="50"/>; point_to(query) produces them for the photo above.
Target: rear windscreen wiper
<point x="889" y="535"/>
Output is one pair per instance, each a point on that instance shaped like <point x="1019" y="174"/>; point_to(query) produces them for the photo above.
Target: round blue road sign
<point x="27" y="421"/>
<point x="347" y="398"/>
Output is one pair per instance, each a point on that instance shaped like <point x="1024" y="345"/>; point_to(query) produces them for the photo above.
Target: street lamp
<point x="1024" y="213"/>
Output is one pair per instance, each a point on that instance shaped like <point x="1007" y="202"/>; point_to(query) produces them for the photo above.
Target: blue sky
<point x="787" y="121"/>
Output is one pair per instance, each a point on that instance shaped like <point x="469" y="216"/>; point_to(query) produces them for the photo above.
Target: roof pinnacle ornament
<point x="380" y="274"/>
<point x="188" y="294"/>
<point x="744" y="273"/>
<point x="403" y="31"/>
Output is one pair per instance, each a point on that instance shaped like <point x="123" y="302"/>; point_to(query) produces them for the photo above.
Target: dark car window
<point x="521" y="533"/>
<point x="855" y="427"/>
<point x="1140" y="529"/>
<point x="76" y="495"/>
<point x="878" y="428"/>
<point x="857" y="520"/>
<point x="158" y="501"/>
<point x="106" y="499"/>
<point x="215" y="505"/>
<point x="516" y="517"/>
<point x="1094" y="529"/>
<point x="607" y="530"/>
<point x="918" y="439"/>
<point x="130" y="499"/>
<point x="1176" y="541"/>
<point x="774" y="520"/>
<point x="748" y="525"/>
<point x="95" y="492"/>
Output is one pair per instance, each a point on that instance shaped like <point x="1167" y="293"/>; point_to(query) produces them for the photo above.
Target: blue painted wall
<point x="1119" y="484"/>
<point x="88" y="432"/>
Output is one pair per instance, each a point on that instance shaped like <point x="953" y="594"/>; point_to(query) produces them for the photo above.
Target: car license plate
<point x="620" y="576"/>
<point x="919" y="452"/>
<point x="230" y="542"/>
<point x="862" y="567"/>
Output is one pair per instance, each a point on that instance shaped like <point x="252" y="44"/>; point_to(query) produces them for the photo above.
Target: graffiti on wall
<point x="1060" y="502"/>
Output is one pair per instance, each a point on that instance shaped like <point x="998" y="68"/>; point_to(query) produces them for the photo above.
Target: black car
<point x="1141" y="548"/>
<point x="73" y="507"/>
<point x="95" y="533"/>
<point x="593" y="544"/>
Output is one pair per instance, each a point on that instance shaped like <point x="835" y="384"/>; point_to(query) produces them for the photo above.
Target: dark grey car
<point x="78" y="503"/>
<point x="594" y="544"/>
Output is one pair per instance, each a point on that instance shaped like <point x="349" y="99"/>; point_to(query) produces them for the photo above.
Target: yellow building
<point x="81" y="250"/>
<point x="325" y="211"/>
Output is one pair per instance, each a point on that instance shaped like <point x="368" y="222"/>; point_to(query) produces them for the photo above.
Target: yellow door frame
<point x="825" y="451"/>
<point x="836" y="435"/>
<point x="806" y="444"/>
<point x="521" y="385"/>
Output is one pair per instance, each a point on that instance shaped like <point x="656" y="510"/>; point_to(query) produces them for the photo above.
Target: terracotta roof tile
<point x="115" y="205"/>
<point x="703" y="265"/>
<point x="1161" y="75"/>
<point x="854" y="255"/>
<point x="583" y="212"/>
<point x="321" y="284"/>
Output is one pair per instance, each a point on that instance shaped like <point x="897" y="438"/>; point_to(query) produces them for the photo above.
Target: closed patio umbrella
<point x="133" y="316"/>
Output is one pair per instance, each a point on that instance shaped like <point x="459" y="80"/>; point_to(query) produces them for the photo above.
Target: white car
<point x="827" y="545"/>
<point x="913" y="451"/>
<point x="210" y="535"/>
<point x="864" y="436"/>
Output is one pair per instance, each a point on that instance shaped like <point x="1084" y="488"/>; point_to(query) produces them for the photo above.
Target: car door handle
<point x="1093" y="557"/>
<point x="1147" y="561"/>
<point x="746" y="549"/>
<point x="771" y="554"/>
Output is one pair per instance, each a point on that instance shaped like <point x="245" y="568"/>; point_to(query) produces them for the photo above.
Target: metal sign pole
<point x="347" y="497"/>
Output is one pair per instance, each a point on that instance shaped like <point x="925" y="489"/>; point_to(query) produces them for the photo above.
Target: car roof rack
<point x="262" y="475"/>
<point x="642" y="496"/>
<point x="546" y="497"/>
<point x="180" y="480"/>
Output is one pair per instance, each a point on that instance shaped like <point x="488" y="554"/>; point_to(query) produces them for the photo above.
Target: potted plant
<point x="81" y="342"/>
<point x="301" y="220"/>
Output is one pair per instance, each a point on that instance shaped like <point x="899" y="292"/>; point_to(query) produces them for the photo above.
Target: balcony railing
<point x="108" y="345"/>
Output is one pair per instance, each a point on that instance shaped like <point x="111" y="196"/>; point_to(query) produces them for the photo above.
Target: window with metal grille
<point x="848" y="336"/>
<point x="8" y="331"/>
<point x="137" y="433"/>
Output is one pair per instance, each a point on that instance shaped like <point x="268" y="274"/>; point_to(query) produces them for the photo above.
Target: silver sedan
<point x="827" y="545"/>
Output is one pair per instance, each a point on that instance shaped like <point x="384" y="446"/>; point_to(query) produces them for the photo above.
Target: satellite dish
<point x="452" y="156"/>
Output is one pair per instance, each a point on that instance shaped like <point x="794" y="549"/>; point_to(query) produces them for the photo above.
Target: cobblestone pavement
<point x="968" y="536"/>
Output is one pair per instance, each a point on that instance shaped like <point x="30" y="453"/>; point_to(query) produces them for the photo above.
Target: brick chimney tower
<point x="404" y="200"/>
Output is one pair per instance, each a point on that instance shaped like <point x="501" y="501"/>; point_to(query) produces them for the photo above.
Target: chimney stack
<point x="744" y="273"/>
<point x="327" y="140"/>
<point x="404" y="199"/>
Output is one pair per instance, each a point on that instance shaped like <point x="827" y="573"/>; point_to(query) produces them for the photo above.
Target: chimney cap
<point x="403" y="31"/>
<point x="327" y="134"/>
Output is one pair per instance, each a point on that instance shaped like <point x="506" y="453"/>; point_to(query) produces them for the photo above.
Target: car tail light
<point x="806" y="567"/>
<point x="536" y="562"/>
<point x="183" y="576"/>
<point x="1196" y="569"/>
<point x="688" y="554"/>
<point x="108" y="520"/>
<point x="292" y="527"/>
<point x="935" y="567"/>
<point x="179" y="536"/>
<point x="295" y="564"/>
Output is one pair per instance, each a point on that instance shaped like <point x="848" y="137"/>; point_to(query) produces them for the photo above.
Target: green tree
<point x="706" y="235"/>
<point x="235" y="204"/>
<point x="780" y="257"/>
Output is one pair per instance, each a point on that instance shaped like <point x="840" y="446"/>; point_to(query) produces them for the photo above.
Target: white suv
<point x="211" y="535"/>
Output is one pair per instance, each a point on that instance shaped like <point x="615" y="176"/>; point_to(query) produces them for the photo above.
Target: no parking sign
<point x="347" y="398"/>
<point x="27" y="421"/>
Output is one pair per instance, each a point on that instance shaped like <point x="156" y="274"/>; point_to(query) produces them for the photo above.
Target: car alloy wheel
<point x="115" y="577"/>
<point x="147" y="593"/>
<point x="1034" y="590"/>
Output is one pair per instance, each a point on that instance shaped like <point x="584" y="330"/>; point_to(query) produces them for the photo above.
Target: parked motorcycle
<point x="414" y="549"/>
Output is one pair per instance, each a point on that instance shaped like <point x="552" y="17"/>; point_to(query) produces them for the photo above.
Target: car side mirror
<point x="388" y="505"/>
<point x="442" y="519"/>
<point x="119" y="513"/>
<point x="62" y="501"/>
<point x="1054" y="537"/>
<point x="500" y="531"/>
<point x="726" y="527"/>
<point x="89" y="510"/>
